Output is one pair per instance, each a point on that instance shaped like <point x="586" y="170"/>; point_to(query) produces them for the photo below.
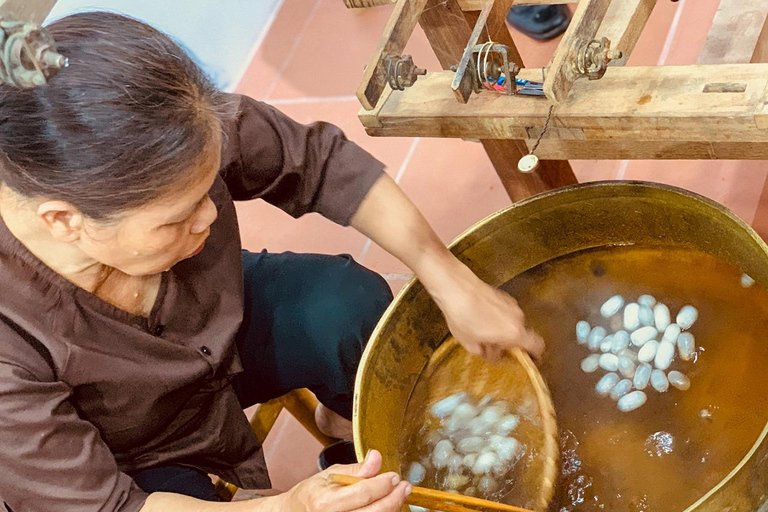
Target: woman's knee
<point x="318" y="311"/>
<point x="359" y="299"/>
<point x="339" y="316"/>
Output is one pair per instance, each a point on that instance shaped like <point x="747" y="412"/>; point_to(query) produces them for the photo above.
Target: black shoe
<point x="540" y="22"/>
<point x="342" y="452"/>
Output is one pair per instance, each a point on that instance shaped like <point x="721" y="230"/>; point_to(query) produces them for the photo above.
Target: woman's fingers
<point x="366" y="492"/>
<point x="534" y="344"/>
<point x="493" y="353"/>
<point x="366" y="469"/>
<point x="393" y="502"/>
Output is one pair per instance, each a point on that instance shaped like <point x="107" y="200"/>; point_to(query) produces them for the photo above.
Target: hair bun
<point x="28" y="56"/>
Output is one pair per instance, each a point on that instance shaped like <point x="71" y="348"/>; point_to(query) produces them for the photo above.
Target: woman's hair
<point x="123" y="124"/>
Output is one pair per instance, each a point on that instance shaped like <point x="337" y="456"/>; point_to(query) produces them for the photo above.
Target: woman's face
<point x="153" y="238"/>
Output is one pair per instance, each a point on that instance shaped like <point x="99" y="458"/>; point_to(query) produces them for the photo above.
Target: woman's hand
<point x="377" y="493"/>
<point x="486" y="321"/>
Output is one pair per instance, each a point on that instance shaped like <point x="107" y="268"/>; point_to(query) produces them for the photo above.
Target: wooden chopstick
<point x="439" y="500"/>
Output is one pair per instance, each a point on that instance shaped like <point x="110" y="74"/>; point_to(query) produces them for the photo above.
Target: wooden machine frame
<point x="716" y="109"/>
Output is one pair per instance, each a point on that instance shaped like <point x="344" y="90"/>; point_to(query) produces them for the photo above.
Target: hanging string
<point x="546" y="125"/>
<point x="530" y="162"/>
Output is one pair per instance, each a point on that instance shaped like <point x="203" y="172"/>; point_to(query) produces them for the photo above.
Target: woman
<point x="133" y="330"/>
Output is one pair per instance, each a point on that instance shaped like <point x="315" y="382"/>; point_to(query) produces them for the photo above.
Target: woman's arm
<point x="485" y="320"/>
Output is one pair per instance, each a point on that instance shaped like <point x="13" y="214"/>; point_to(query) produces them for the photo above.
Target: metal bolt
<point x="54" y="60"/>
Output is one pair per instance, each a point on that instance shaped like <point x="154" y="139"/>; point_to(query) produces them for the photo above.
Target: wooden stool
<point x="301" y="403"/>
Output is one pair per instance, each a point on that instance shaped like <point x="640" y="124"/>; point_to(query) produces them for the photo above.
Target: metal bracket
<point x="591" y="58"/>
<point x="584" y="26"/>
<point x="494" y="64"/>
<point x="28" y="56"/>
<point x="482" y="61"/>
<point x="402" y="22"/>
<point x="402" y="72"/>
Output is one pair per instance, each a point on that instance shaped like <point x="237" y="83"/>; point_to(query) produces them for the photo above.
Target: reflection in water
<point x="659" y="444"/>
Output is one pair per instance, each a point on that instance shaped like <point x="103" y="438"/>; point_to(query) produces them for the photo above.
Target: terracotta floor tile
<point x="595" y="170"/>
<point x="291" y="453"/>
<point x="332" y="52"/>
<point x="397" y="284"/>
<point x="654" y="35"/>
<point x="695" y="21"/>
<point x="418" y="47"/>
<point x="454" y="185"/>
<point x="263" y="226"/>
<point x="535" y="54"/>
<point x="268" y="61"/>
<point x="736" y="184"/>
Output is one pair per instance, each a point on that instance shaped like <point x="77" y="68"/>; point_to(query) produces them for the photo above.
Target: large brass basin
<point x="532" y="232"/>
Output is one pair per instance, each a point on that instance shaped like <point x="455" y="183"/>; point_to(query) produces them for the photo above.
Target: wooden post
<point x="396" y="34"/>
<point x="736" y="35"/>
<point x="301" y="403"/>
<point x="761" y="49"/>
<point x="623" y="24"/>
<point x="448" y="31"/>
<point x="583" y="29"/>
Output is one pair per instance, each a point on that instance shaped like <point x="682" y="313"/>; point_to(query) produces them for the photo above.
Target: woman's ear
<point x="63" y="220"/>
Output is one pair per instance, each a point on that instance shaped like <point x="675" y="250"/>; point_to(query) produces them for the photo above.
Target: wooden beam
<point x="396" y="34"/>
<point x="669" y="149"/>
<point x="476" y="5"/>
<point x="735" y="32"/>
<point x="583" y="28"/>
<point x="623" y="23"/>
<point x="761" y="48"/>
<point x="301" y="403"/>
<point x="26" y="10"/>
<point x="446" y="29"/>
<point x="629" y="103"/>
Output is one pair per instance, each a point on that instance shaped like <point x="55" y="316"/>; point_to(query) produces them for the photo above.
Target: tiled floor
<point x="309" y="66"/>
